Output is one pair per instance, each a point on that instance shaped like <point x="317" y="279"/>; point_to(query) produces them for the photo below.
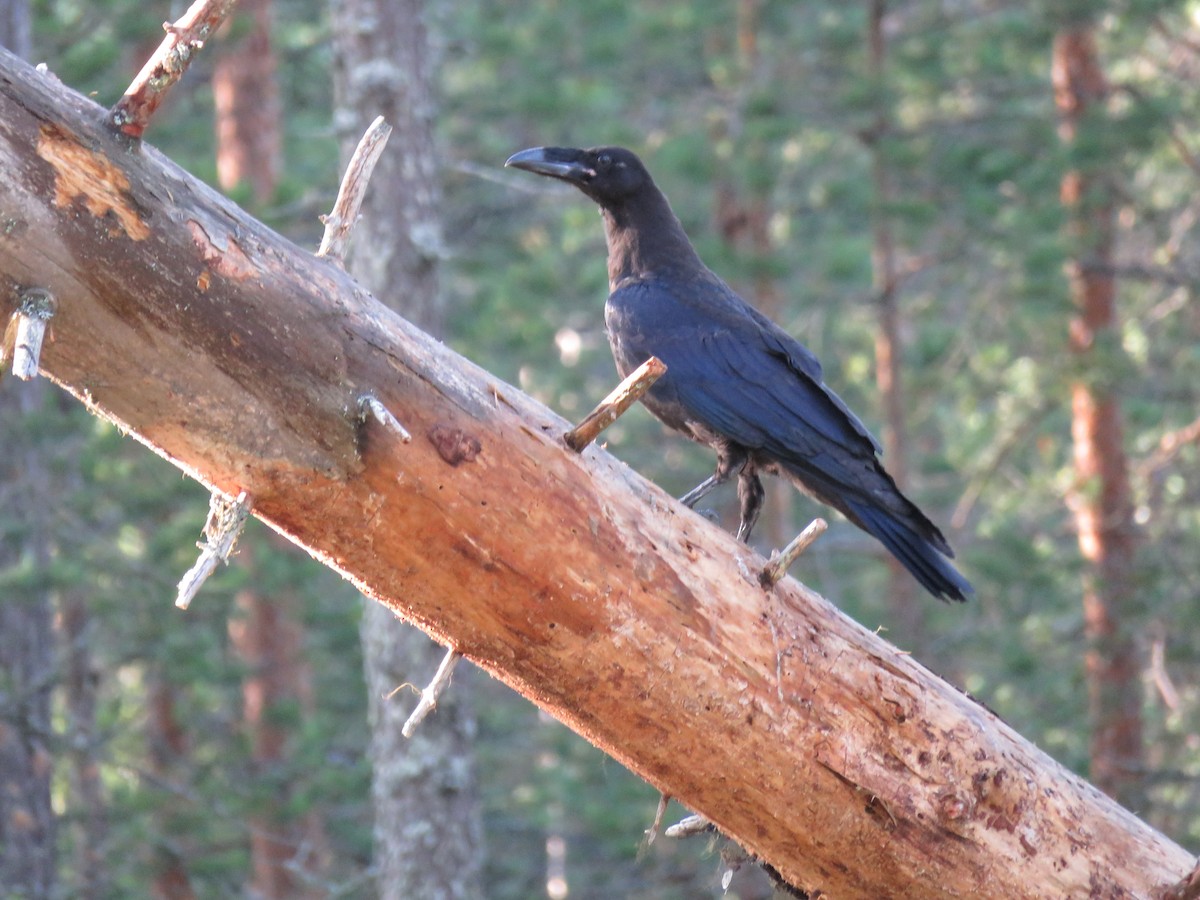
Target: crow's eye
<point x="604" y="160"/>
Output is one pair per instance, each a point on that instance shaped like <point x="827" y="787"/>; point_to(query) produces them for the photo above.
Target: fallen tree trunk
<point x="241" y="358"/>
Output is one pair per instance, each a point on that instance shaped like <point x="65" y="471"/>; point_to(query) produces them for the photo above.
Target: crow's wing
<point x="737" y="373"/>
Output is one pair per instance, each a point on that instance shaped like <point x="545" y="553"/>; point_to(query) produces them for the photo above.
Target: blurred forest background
<point x="980" y="214"/>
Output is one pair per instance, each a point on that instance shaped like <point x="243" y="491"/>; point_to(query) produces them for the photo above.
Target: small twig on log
<point x="1186" y="889"/>
<point x="34" y="311"/>
<point x="689" y="826"/>
<point x="611" y="407"/>
<point x="226" y="519"/>
<point x="184" y="39"/>
<point x="652" y="832"/>
<point x="429" y="696"/>
<point x="369" y="407"/>
<point x="353" y="190"/>
<point x="778" y="566"/>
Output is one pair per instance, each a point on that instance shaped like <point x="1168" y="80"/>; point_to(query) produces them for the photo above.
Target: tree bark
<point x="27" y="671"/>
<point x="168" y="745"/>
<point x="27" y="666"/>
<point x="1102" y="502"/>
<point x="428" y="824"/>
<point x="269" y="640"/>
<point x="86" y="798"/>
<point x="843" y="763"/>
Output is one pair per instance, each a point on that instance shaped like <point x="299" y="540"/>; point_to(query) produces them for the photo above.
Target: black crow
<point x="735" y="380"/>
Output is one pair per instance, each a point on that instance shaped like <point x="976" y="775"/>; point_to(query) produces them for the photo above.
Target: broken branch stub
<point x="33" y="314"/>
<point x="628" y="392"/>
<point x="429" y="696"/>
<point x="353" y="191"/>
<point x="774" y="571"/>
<point x="226" y="519"/>
<point x="185" y="38"/>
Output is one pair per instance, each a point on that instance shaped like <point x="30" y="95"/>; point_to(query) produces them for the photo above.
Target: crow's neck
<point x="645" y="238"/>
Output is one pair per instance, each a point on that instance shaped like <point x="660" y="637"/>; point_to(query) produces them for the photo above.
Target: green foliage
<point x="975" y="162"/>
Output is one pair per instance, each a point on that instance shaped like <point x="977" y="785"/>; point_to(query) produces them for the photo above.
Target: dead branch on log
<point x="28" y="327"/>
<point x="612" y="407"/>
<point x="353" y="191"/>
<point x="774" y="571"/>
<point x="166" y="66"/>
<point x="429" y="696"/>
<point x="371" y="408"/>
<point x="226" y="519"/>
<point x="656" y="825"/>
<point x="689" y="826"/>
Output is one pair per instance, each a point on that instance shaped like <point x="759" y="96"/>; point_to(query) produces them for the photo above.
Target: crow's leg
<point x="730" y="462"/>
<point x="751" y="493"/>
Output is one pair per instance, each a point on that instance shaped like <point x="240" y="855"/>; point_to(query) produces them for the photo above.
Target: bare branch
<point x="611" y="408"/>
<point x="369" y="407"/>
<point x="226" y="519"/>
<point x="688" y="826"/>
<point x="353" y="190"/>
<point x="33" y="313"/>
<point x="1169" y="446"/>
<point x="166" y="66"/>
<point x="652" y="832"/>
<point x="429" y="696"/>
<point x="774" y="571"/>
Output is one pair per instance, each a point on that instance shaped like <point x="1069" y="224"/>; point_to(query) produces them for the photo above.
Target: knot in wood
<point x="954" y="807"/>
<point x="454" y="445"/>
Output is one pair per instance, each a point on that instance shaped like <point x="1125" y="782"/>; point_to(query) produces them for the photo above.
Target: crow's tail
<point x="917" y="552"/>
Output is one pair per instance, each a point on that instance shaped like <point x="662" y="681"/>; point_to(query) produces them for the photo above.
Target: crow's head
<point x="609" y="175"/>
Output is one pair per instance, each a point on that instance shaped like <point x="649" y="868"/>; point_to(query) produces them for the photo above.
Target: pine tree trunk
<point x="743" y="220"/>
<point x="269" y="639"/>
<point x="86" y="797"/>
<point x="168" y="747"/>
<point x="246" y="101"/>
<point x="1102" y="502"/>
<point x="428" y="827"/>
<point x="27" y="673"/>
<point x="27" y="665"/>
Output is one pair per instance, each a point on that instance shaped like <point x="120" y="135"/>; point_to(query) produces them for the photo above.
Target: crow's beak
<point x="564" y="163"/>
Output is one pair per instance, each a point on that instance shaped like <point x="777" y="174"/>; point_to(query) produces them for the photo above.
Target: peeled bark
<point x="808" y="739"/>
